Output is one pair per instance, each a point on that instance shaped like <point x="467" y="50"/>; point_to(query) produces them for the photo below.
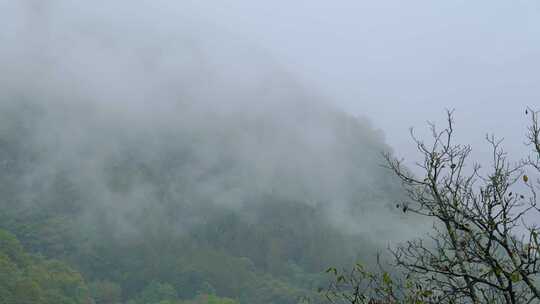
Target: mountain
<point x="175" y="164"/>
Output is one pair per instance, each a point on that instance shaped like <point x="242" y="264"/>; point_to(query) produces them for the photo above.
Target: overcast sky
<point x="399" y="63"/>
<point x="403" y="62"/>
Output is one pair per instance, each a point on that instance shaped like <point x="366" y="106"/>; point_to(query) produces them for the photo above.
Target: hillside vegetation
<point x="251" y="210"/>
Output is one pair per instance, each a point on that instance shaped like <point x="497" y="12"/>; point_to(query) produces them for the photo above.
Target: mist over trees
<point x="229" y="210"/>
<point x="148" y="156"/>
<point x="184" y="173"/>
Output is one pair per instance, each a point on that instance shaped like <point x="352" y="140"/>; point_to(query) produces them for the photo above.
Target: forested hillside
<point x="154" y="158"/>
<point x="238" y="208"/>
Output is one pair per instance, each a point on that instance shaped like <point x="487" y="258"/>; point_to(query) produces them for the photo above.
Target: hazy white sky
<point x="403" y="62"/>
<point x="399" y="63"/>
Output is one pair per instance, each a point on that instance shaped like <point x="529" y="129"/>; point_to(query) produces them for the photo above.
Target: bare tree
<point x="483" y="247"/>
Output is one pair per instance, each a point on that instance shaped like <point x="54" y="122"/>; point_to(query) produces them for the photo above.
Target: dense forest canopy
<point x="141" y="173"/>
<point x="224" y="207"/>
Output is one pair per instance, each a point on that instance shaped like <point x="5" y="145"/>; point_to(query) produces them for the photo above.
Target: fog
<point x="155" y="118"/>
<point x="401" y="64"/>
<point x="107" y="73"/>
<point x="397" y="64"/>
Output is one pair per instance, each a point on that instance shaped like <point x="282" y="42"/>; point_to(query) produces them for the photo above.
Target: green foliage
<point x="362" y="286"/>
<point x="30" y="279"/>
<point x="168" y="215"/>
<point x="211" y="299"/>
<point x="105" y="292"/>
<point x="157" y="292"/>
<point x="11" y="248"/>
